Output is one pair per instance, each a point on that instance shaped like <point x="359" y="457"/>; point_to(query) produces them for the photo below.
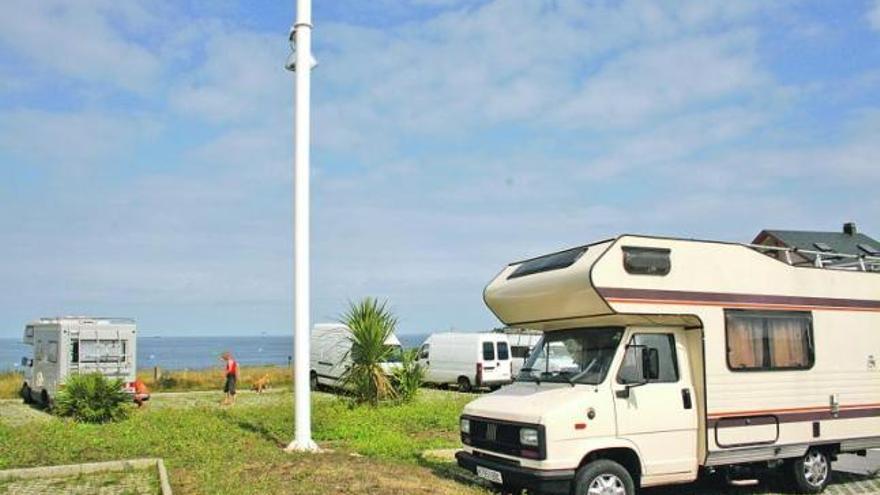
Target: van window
<point x="769" y="340"/>
<point x="519" y="351"/>
<point x="665" y="345"/>
<point x="488" y="351"/>
<point x="53" y="351"/>
<point x="503" y="354"/>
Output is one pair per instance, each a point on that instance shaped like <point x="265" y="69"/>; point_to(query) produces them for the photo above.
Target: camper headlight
<point x="528" y="436"/>
<point x="466" y="426"/>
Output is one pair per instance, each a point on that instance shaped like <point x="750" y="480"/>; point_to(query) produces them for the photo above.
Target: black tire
<point x="464" y="384"/>
<point x="812" y="472"/>
<point x="26" y="394"/>
<point x="603" y="473"/>
<point x="313" y="381"/>
<point x="44" y="399"/>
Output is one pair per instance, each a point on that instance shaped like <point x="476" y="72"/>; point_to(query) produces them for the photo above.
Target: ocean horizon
<point x="175" y="353"/>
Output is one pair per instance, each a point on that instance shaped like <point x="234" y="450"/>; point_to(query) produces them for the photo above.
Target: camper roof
<point x="84" y="320"/>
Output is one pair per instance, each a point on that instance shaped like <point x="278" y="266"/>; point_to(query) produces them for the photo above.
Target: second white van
<point x="469" y="360"/>
<point x="331" y="354"/>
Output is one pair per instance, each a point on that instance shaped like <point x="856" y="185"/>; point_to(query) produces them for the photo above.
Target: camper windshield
<point x="581" y="355"/>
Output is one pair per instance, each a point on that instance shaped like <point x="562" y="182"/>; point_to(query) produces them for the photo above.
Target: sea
<point x="178" y="353"/>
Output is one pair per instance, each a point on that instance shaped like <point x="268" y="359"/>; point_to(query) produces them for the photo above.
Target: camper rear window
<point x="553" y="261"/>
<point x="646" y="261"/>
<point x="769" y="341"/>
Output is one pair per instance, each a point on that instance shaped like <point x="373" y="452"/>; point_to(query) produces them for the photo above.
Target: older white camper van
<point x="664" y="358"/>
<point x="64" y="346"/>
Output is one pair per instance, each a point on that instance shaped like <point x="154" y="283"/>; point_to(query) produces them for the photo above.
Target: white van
<point x="664" y="359"/>
<point x="521" y="344"/>
<point x="331" y="354"/>
<point x="64" y="346"/>
<point x="470" y="360"/>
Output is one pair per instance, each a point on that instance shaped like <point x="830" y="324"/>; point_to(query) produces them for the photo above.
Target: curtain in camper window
<point x="788" y="341"/>
<point x="745" y="342"/>
<point x="768" y="340"/>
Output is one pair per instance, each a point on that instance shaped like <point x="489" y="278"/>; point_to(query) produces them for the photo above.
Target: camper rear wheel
<point x="44" y="399"/>
<point x="603" y="477"/>
<point x="26" y="394"/>
<point x="464" y="385"/>
<point x="812" y="472"/>
<point x="313" y="381"/>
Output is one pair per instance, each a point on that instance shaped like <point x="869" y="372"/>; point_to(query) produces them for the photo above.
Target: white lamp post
<point x="301" y="62"/>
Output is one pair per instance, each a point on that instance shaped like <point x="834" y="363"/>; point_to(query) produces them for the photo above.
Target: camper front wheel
<point x="812" y="472"/>
<point x="603" y="477"/>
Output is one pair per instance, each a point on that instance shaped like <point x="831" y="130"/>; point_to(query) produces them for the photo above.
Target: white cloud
<point x="874" y="15"/>
<point x="83" y="41"/>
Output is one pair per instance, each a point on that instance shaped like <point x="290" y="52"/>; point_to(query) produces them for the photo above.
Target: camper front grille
<point x="501" y="437"/>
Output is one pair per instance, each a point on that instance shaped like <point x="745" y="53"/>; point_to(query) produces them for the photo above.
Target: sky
<point x="146" y="146"/>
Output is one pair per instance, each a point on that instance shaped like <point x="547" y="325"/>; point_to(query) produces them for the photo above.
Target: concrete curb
<point x="92" y="467"/>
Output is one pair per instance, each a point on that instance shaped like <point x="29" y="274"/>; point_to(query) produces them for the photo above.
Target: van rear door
<point x="495" y="360"/>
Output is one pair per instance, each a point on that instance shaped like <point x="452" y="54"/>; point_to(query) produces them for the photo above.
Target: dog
<point x="261" y="384"/>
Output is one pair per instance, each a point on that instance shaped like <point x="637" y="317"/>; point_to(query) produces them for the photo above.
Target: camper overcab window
<point x="577" y="356"/>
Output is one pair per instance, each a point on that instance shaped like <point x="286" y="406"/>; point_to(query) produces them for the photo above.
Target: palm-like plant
<point x="409" y="376"/>
<point x="371" y="323"/>
<point x="92" y="398"/>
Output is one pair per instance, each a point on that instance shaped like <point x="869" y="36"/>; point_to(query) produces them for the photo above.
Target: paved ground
<point x="140" y="482"/>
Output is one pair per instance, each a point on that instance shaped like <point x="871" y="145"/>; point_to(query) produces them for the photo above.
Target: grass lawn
<point x="211" y="449"/>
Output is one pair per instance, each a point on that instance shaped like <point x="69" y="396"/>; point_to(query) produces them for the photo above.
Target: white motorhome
<point x="331" y="354"/>
<point x="64" y="346"/>
<point x="469" y="360"/>
<point x="664" y="358"/>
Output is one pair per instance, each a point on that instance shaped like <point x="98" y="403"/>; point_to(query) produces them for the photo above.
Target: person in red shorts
<point x="141" y="392"/>
<point x="231" y="370"/>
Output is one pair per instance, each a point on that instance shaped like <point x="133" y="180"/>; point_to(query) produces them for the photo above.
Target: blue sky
<point x="145" y="147"/>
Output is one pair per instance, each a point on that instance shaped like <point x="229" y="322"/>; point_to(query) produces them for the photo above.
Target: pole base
<point x="307" y="446"/>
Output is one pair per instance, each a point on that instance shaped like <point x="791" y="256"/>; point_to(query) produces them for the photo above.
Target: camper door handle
<point x="686" y="398"/>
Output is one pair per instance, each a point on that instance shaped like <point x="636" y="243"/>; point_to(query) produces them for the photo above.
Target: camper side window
<point x="769" y="341"/>
<point x="53" y="351"/>
<point x="665" y="344"/>
<point x="424" y="352"/>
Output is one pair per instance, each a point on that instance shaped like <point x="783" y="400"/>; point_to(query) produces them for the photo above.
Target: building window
<point x="646" y="261"/>
<point x="769" y="341"/>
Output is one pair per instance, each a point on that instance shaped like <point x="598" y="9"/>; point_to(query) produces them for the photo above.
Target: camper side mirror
<point x="640" y="365"/>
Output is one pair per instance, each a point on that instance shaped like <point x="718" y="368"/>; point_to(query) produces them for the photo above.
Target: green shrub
<point x="92" y="398"/>
<point x="409" y="376"/>
<point x="371" y="324"/>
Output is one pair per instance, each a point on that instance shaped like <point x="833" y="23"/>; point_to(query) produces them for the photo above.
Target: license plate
<point x="489" y="474"/>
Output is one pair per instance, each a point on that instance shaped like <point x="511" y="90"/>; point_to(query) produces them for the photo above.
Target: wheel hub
<point x="815" y="469"/>
<point x="606" y="484"/>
